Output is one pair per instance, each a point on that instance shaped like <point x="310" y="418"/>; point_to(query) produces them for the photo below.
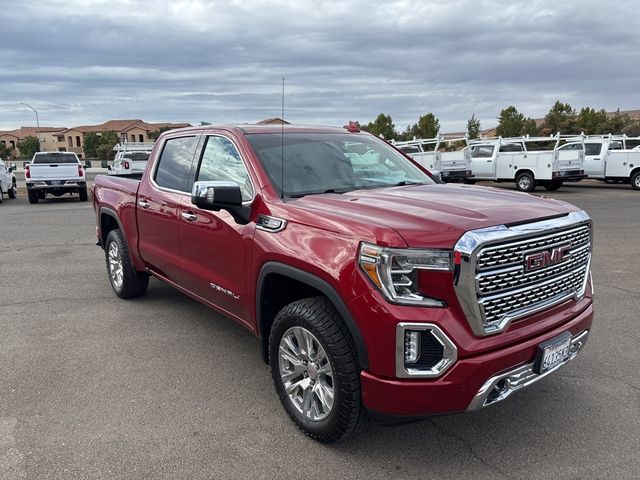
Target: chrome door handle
<point x="189" y="217"/>
<point x="489" y="161"/>
<point x="143" y="204"/>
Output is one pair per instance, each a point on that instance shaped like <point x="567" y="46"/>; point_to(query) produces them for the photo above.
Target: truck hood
<point x="430" y="215"/>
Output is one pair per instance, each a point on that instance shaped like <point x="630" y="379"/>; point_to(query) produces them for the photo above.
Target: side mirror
<point x="87" y="164"/>
<point x="218" y="196"/>
<point x="12" y="167"/>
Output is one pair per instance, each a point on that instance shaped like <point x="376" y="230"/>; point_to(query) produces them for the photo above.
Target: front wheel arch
<point x="311" y="285"/>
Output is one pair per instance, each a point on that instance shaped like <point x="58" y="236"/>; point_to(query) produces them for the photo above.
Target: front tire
<point x="125" y="280"/>
<point x="13" y="191"/>
<point x="635" y="181"/>
<point x="525" y="182"/>
<point x="314" y="370"/>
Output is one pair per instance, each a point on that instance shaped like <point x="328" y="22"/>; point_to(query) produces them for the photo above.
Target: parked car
<point x="55" y="173"/>
<point x="374" y="291"/>
<point x="7" y="181"/>
<point x="523" y="161"/>
<point x="608" y="158"/>
<point x="131" y="158"/>
<point x="448" y="166"/>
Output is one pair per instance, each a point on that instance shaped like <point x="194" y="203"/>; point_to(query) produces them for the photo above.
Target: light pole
<point x="37" y="123"/>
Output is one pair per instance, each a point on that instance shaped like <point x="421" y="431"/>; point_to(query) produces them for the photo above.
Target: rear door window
<point x="175" y="162"/>
<point x="592" y="148"/>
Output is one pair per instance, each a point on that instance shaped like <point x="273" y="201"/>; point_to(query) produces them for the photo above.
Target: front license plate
<point x="552" y="353"/>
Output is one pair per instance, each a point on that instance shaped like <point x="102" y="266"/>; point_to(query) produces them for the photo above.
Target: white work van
<point x="609" y="158"/>
<point x="7" y="181"/>
<point x="527" y="161"/>
<point x="449" y="166"/>
<point x="131" y="158"/>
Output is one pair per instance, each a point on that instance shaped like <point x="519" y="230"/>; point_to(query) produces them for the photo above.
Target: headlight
<point x="395" y="271"/>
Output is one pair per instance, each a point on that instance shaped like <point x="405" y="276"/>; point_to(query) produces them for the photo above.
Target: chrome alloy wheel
<point x="115" y="265"/>
<point x="306" y="374"/>
<point x="636" y="181"/>
<point x="524" y="182"/>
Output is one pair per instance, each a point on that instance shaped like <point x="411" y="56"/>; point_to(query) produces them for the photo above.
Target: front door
<point x="483" y="164"/>
<point x="159" y="206"/>
<point x="215" y="249"/>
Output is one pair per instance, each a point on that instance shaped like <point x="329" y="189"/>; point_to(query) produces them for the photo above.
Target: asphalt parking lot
<point x="92" y="386"/>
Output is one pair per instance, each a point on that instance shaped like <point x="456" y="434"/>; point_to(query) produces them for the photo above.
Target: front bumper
<point x="470" y="382"/>
<point x="455" y="175"/>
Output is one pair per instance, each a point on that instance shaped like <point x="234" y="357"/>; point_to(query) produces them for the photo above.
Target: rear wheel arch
<point x="283" y="284"/>
<point x="109" y="221"/>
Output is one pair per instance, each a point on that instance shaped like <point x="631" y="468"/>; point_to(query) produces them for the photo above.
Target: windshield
<point x="332" y="162"/>
<point x="55" y="158"/>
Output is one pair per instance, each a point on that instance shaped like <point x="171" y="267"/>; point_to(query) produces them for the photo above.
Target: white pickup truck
<point x="131" y="158"/>
<point x="608" y="158"/>
<point x="449" y="166"/>
<point x="55" y="173"/>
<point x="7" y="181"/>
<point x="529" y="161"/>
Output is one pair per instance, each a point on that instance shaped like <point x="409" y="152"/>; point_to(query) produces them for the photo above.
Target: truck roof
<point x="246" y="128"/>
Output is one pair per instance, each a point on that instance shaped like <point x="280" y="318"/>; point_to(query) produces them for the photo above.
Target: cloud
<point x="87" y="61"/>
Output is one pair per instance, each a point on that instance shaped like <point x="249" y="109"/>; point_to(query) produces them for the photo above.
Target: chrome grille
<point x="494" y="286"/>
<point x="513" y="253"/>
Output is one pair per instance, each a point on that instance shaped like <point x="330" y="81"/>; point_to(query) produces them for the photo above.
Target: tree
<point x="91" y="144"/>
<point x="592" y="122"/>
<point x="561" y="118"/>
<point x="617" y="123"/>
<point x="156" y="133"/>
<point x="104" y="149"/>
<point x="473" y="127"/>
<point x="28" y="146"/>
<point x="382" y="126"/>
<point x="6" y="152"/>
<point x="510" y="123"/>
<point x="428" y="126"/>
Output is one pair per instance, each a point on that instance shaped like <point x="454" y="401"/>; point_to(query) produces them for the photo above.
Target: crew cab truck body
<point x="521" y="160"/>
<point x="375" y="292"/>
<point x="131" y="158"/>
<point x="55" y="173"/>
<point x="608" y="158"/>
<point x="7" y="181"/>
<point x="448" y="166"/>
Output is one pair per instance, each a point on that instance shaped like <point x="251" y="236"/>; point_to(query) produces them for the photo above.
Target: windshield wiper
<point x="404" y="183"/>
<point x="317" y="192"/>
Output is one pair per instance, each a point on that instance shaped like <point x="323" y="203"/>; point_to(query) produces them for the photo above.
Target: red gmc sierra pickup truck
<point x="375" y="291"/>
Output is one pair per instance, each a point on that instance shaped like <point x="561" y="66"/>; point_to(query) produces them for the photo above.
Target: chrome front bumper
<point x="501" y="386"/>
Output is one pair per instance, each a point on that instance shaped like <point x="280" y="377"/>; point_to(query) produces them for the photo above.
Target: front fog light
<point x="411" y="346"/>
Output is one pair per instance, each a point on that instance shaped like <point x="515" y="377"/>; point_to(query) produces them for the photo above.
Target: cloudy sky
<point x="86" y="61"/>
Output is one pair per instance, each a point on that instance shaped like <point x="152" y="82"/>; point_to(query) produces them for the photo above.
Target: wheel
<point x="1" y="193"/>
<point x="314" y="370"/>
<point x="13" y="191"/>
<point x="635" y="181"/>
<point x="33" y="196"/>
<point x="83" y="194"/>
<point x="525" y="182"/>
<point x="125" y="280"/>
<point x="552" y="186"/>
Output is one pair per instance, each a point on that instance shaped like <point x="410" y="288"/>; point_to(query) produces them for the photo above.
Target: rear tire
<point x="635" y="181"/>
<point x="525" y="182"/>
<point x="33" y="196"/>
<point x="125" y="280"/>
<point x="83" y="194"/>
<point x="552" y="186"/>
<point x="314" y="370"/>
<point x="13" y="191"/>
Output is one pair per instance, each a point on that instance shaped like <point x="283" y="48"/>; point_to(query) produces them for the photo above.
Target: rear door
<point x="160" y="199"/>
<point x="216" y="250"/>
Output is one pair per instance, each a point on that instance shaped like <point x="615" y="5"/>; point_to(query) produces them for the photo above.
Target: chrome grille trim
<point x="492" y="296"/>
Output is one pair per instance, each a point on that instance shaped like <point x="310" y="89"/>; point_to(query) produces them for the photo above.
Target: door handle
<point x="143" y="203"/>
<point x="596" y="159"/>
<point x="188" y="216"/>
<point x="489" y="161"/>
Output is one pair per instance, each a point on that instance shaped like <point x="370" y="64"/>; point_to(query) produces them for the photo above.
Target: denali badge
<point x="537" y="260"/>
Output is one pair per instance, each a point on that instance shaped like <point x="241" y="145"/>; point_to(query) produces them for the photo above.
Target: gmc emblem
<point x="535" y="261"/>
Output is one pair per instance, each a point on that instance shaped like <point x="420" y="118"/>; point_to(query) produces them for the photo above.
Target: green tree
<point x="156" y="133"/>
<point x="632" y="129"/>
<point x="6" y="152"/>
<point x="617" y="123"/>
<point x="591" y="121"/>
<point x="473" y="127"/>
<point x="561" y="118"/>
<point x="511" y="123"/>
<point x="382" y="126"/>
<point x="108" y="140"/>
<point x="529" y="127"/>
<point x="91" y="144"/>
<point x="428" y="126"/>
<point x="28" y="146"/>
